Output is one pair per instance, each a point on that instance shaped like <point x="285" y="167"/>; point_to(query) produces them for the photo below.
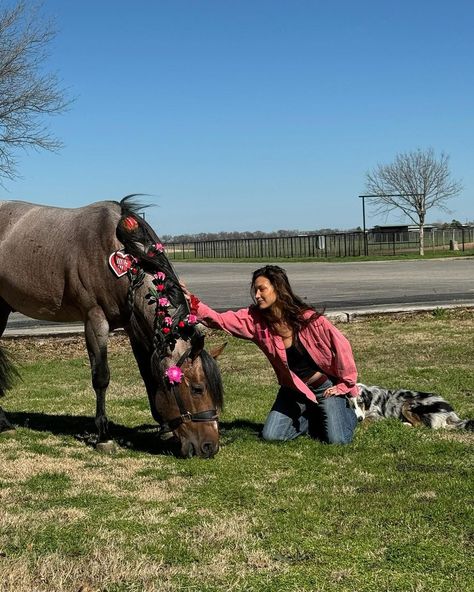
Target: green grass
<point x="391" y="512"/>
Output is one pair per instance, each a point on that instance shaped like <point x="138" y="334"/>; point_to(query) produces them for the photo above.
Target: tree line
<point x="212" y="236"/>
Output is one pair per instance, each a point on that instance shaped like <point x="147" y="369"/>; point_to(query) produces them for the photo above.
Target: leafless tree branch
<point x="27" y="93"/>
<point x="414" y="183"/>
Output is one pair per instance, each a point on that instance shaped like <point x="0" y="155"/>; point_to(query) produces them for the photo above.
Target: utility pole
<point x="366" y="244"/>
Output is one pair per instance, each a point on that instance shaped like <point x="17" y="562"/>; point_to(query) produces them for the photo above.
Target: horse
<point x="104" y="265"/>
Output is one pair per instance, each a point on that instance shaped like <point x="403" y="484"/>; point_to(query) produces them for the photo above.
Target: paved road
<point x="340" y="287"/>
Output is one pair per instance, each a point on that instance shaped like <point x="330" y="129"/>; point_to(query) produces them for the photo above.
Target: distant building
<point x="393" y="229"/>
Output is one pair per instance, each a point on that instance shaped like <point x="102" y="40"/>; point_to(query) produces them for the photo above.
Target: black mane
<point x="139" y="243"/>
<point x="213" y="375"/>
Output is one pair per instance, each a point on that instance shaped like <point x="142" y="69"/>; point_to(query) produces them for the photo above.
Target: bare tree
<point x="414" y="183"/>
<point x="27" y="92"/>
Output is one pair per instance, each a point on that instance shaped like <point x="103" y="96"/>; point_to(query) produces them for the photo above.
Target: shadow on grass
<point x="239" y="429"/>
<point x="142" y="438"/>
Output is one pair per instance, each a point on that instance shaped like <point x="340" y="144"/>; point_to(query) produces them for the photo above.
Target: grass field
<point x="391" y="512"/>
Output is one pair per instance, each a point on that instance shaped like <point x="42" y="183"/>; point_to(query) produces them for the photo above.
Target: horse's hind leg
<point x="6" y="368"/>
<point x="97" y="333"/>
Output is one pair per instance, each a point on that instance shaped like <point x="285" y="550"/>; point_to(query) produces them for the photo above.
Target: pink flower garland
<point x="158" y="297"/>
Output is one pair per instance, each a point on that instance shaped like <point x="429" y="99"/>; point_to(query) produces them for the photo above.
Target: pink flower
<point x="166" y="330"/>
<point x="159" y="247"/>
<point x="160" y="287"/>
<point x="163" y="302"/>
<point x="160" y="276"/>
<point x="168" y="321"/>
<point x="174" y="374"/>
<point x="192" y="319"/>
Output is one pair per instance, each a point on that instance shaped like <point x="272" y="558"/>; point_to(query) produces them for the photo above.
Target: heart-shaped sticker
<point x="120" y="262"/>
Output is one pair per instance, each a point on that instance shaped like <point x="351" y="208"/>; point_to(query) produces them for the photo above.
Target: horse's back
<point x="53" y="261"/>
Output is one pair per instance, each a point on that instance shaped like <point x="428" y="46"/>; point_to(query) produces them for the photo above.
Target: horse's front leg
<point x="96" y="329"/>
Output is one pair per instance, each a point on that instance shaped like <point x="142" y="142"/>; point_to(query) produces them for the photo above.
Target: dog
<point x="412" y="407"/>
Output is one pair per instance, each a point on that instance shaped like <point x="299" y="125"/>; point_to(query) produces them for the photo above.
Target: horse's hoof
<point x="108" y="447"/>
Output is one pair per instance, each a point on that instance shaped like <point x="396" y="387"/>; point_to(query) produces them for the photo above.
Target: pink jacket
<point x="325" y="344"/>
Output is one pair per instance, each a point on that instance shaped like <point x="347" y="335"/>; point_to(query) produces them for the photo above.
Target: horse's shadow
<point x="142" y="438"/>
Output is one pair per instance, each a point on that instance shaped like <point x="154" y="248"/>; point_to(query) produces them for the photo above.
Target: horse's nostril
<point x="208" y="449"/>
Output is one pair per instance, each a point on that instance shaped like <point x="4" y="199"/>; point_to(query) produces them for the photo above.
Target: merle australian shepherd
<point x="413" y="407"/>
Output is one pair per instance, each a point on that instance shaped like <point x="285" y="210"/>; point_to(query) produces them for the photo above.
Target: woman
<point x="312" y="360"/>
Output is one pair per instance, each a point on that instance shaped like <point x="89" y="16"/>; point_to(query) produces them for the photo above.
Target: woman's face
<point x="265" y="294"/>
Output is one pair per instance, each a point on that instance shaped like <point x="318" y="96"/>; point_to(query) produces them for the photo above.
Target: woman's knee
<point x="271" y="435"/>
<point x="276" y="427"/>
<point x="280" y="428"/>
<point x="339" y="422"/>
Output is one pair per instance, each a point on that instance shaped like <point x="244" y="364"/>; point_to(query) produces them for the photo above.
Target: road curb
<point x="354" y="315"/>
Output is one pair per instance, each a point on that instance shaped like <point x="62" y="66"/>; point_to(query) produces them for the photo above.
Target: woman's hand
<point x="331" y="391"/>
<point x="186" y="292"/>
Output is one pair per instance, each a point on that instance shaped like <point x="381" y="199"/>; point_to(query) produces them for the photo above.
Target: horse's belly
<point x="32" y="305"/>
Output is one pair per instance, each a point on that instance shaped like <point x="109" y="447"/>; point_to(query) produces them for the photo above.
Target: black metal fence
<point x="344" y="244"/>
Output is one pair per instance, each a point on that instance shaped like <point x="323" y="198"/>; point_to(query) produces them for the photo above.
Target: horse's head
<point x="183" y="381"/>
<point x="191" y="396"/>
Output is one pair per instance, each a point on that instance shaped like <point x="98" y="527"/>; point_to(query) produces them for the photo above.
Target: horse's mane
<point x="211" y="370"/>
<point x="139" y="242"/>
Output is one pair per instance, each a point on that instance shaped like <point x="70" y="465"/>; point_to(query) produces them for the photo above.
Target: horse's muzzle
<point x="204" y="450"/>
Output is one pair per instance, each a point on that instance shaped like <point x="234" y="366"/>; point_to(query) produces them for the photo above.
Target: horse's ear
<point x="197" y="345"/>
<point x="216" y="351"/>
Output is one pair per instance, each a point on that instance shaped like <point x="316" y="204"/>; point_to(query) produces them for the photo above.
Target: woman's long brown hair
<point x="292" y="306"/>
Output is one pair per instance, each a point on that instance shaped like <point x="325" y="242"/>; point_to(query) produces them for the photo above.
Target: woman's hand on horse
<point x="186" y="292"/>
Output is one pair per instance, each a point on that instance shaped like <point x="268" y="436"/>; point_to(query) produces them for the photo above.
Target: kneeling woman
<point x="312" y="360"/>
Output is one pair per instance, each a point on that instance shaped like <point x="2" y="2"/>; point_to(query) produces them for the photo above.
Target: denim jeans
<point x="330" y="420"/>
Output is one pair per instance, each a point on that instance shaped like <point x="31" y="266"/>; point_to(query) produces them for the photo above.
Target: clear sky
<point x="253" y="114"/>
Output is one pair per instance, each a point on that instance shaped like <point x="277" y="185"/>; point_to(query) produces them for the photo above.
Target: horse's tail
<point x="8" y="372"/>
<point x="141" y="241"/>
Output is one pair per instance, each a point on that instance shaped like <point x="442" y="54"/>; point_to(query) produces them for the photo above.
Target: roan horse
<point x="104" y="265"/>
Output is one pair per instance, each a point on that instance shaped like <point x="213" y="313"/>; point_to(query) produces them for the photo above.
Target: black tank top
<point x="300" y="362"/>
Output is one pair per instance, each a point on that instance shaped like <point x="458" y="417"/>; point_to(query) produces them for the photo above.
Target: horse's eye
<point x="197" y="389"/>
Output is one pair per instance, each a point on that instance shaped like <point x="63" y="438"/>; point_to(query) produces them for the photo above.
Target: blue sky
<point x="253" y="115"/>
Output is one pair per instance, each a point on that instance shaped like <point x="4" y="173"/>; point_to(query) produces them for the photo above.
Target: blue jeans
<point x="330" y="420"/>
